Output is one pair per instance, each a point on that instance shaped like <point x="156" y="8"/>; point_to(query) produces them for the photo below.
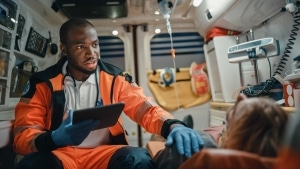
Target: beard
<point x="74" y="65"/>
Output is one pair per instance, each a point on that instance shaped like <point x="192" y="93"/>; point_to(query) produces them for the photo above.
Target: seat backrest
<point x="227" y="159"/>
<point x="289" y="155"/>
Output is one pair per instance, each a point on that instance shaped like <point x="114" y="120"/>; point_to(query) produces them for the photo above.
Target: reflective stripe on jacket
<point x="40" y="109"/>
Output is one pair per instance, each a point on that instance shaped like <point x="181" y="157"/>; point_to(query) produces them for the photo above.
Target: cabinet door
<point x="4" y="58"/>
<point x="224" y="77"/>
<point x="4" y="62"/>
<point x="8" y="13"/>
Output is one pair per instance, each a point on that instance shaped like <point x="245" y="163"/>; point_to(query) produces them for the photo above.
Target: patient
<point x="255" y="125"/>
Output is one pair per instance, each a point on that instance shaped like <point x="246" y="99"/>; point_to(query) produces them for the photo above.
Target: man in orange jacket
<point x="44" y="133"/>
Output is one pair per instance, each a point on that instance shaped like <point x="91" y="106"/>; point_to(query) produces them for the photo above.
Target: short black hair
<point x="70" y="24"/>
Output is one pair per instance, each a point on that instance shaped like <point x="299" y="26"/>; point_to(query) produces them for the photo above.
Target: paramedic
<point x="43" y="131"/>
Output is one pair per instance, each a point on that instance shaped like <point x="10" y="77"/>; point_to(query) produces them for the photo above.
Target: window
<point x="188" y="48"/>
<point x="112" y="50"/>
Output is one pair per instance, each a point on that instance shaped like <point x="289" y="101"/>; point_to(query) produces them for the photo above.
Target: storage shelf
<point x="225" y="106"/>
<point x="4" y="49"/>
<point x="6" y="29"/>
<point x="293" y="77"/>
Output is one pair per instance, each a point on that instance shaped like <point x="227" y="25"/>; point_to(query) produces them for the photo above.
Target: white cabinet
<point x="8" y="18"/>
<point x="224" y="77"/>
<point x="22" y="48"/>
<point x="216" y="117"/>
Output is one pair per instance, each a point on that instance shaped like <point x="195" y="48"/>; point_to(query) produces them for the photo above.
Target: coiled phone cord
<point x="272" y="81"/>
<point x="289" y="44"/>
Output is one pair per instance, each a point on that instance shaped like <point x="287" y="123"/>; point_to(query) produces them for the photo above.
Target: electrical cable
<point x="269" y="66"/>
<point x="175" y="87"/>
<point x="269" y="84"/>
<point x="172" y="51"/>
<point x="289" y="44"/>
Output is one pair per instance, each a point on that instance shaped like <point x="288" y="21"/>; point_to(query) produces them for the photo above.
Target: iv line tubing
<point x="175" y="87"/>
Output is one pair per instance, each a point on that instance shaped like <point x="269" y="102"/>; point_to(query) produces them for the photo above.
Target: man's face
<point x="82" y="49"/>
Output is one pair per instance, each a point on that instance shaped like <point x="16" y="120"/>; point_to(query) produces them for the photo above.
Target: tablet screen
<point x="107" y="114"/>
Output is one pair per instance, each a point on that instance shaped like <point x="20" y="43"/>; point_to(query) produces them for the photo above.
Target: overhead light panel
<point x="196" y="3"/>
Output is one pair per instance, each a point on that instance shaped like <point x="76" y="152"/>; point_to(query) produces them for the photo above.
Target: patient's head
<point x="255" y="125"/>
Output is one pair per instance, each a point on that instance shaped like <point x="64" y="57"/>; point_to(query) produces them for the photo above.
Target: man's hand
<point x="187" y="140"/>
<point x="69" y="134"/>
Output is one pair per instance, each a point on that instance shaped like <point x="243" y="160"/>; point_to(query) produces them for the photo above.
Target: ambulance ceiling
<point x="92" y="9"/>
<point x="104" y="11"/>
<point x="240" y="15"/>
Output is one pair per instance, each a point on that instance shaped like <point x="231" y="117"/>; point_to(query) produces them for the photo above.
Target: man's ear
<point x="63" y="49"/>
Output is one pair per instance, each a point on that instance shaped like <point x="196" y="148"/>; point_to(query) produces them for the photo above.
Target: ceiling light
<point x="196" y="3"/>
<point x="13" y="20"/>
<point x="115" y="32"/>
<point x="157" y="30"/>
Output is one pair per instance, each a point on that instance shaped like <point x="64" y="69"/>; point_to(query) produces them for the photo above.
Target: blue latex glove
<point x="187" y="140"/>
<point x="69" y="134"/>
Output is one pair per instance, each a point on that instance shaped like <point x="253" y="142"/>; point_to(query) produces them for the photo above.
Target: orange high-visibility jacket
<point x="41" y="107"/>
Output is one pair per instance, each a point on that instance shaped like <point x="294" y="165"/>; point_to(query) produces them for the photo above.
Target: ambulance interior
<point x="237" y="45"/>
